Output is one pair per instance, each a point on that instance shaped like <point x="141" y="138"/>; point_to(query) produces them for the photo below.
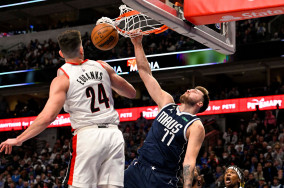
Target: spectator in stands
<point x="276" y="183"/>
<point x="277" y="153"/>
<point x="227" y="136"/>
<point x="213" y="161"/>
<point x="141" y="121"/>
<point x="269" y="121"/>
<point x="218" y="173"/>
<point x="219" y="148"/>
<point x="234" y="139"/>
<point x="16" y="176"/>
<point x="207" y="173"/>
<point x="226" y="159"/>
<point x="234" y="93"/>
<point x="258" y="174"/>
<point x="261" y="183"/>
<point x="251" y="181"/>
<point x="269" y="171"/>
<point x="253" y="123"/>
<point x="281" y="176"/>
<point x="2" y="180"/>
<point x="261" y="31"/>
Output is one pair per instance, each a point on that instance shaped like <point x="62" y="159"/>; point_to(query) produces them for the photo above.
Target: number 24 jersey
<point x="89" y="98"/>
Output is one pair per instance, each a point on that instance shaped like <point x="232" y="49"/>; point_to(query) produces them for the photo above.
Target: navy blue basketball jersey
<point x="166" y="139"/>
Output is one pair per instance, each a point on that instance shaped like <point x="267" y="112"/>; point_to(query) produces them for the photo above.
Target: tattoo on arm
<point x="187" y="176"/>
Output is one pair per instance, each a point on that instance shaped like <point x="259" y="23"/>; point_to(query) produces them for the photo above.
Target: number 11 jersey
<point x="89" y="98"/>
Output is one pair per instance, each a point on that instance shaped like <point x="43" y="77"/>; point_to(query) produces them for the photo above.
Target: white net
<point x="132" y="23"/>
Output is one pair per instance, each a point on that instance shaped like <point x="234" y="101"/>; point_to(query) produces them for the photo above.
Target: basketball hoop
<point x="132" y="23"/>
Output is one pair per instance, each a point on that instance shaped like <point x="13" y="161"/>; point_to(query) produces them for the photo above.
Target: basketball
<point x="104" y="36"/>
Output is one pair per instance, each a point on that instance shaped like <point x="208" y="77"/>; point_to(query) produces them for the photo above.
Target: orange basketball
<point x="104" y="36"/>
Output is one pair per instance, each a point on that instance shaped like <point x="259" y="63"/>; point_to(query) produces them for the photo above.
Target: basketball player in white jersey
<point x="84" y="87"/>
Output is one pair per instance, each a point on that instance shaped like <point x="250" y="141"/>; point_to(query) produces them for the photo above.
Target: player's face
<point x="231" y="178"/>
<point x="191" y="97"/>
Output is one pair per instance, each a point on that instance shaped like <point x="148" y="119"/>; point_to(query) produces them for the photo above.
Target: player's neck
<point x="77" y="60"/>
<point x="187" y="108"/>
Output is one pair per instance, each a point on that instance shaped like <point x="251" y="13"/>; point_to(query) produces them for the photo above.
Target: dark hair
<point x="206" y="98"/>
<point x="69" y="42"/>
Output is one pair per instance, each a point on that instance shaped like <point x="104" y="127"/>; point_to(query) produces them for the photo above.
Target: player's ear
<point x="61" y="54"/>
<point x="200" y="104"/>
<point x="81" y="50"/>
<point x="239" y="180"/>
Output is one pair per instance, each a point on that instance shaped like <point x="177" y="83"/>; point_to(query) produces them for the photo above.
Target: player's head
<point x="70" y="44"/>
<point x="234" y="177"/>
<point x="198" y="96"/>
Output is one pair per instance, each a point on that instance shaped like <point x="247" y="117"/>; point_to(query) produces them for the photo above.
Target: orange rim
<point x="127" y="14"/>
<point x="135" y="12"/>
<point x="155" y="31"/>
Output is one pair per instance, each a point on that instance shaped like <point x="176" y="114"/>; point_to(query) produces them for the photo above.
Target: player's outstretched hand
<point x="8" y="144"/>
<point x="137" y="40"/>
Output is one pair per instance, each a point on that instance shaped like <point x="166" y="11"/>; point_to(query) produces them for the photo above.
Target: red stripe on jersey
<point x="78" y="63"/>
<point x="64" y="72"/>
<point x="73" y="160"/>
<point x="101" y="64"/>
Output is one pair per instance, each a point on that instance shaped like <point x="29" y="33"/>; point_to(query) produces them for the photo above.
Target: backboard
<point x="166" y="13"/>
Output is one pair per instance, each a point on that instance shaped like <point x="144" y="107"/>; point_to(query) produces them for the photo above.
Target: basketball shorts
<point x="97" y="157"/>
<point x="141" y="175"/>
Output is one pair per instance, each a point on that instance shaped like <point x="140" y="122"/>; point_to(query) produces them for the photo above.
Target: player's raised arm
<point x="160" y="96"/>
<point x="195" y="134"/>
<point x="119" y="84"/>
<point x="58" y="89"/>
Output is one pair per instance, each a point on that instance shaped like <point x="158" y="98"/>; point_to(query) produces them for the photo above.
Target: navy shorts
<point x="140" y="175"/>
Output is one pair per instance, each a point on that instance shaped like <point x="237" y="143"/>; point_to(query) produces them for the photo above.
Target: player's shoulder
<point x="60" y="79"/>
<point x="169" y="106"/>
<point x="198" y="125"/>
<point x="60" y="82"/>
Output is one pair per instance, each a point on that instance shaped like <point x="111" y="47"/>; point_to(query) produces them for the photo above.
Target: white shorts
<point x="97" y="158"/>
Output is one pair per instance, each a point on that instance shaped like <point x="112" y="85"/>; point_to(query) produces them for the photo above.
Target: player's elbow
<point x="132" y="94"/>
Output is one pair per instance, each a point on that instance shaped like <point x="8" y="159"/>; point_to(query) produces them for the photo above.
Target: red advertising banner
<point x="244" y="104"/>
<point x="150" y="112"/>
<point x="202" y="12"/>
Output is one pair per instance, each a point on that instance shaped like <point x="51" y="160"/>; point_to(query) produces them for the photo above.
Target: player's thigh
<point x="112" y="169"/>
<point x="90" y="154"/>
<point x="134" y="176"/>
<point x="165" y="180"/>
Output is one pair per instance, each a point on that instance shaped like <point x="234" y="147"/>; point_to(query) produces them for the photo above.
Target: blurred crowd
<point x="42" y="55"/>
<point x="256" y="145"/>
<point x="35" y="164"/>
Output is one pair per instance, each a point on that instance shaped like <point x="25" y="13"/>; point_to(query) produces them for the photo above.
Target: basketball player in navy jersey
<point x="84" y="87"/>
<point x="174" y="126"/>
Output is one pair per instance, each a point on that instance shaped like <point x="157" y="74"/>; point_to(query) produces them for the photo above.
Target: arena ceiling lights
<point x="20" y="3"/>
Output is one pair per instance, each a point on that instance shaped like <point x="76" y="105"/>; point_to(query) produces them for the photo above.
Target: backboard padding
<point x="223" y="43"/>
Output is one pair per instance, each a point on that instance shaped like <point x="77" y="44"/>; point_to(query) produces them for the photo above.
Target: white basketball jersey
<point x="89" y="98"/>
